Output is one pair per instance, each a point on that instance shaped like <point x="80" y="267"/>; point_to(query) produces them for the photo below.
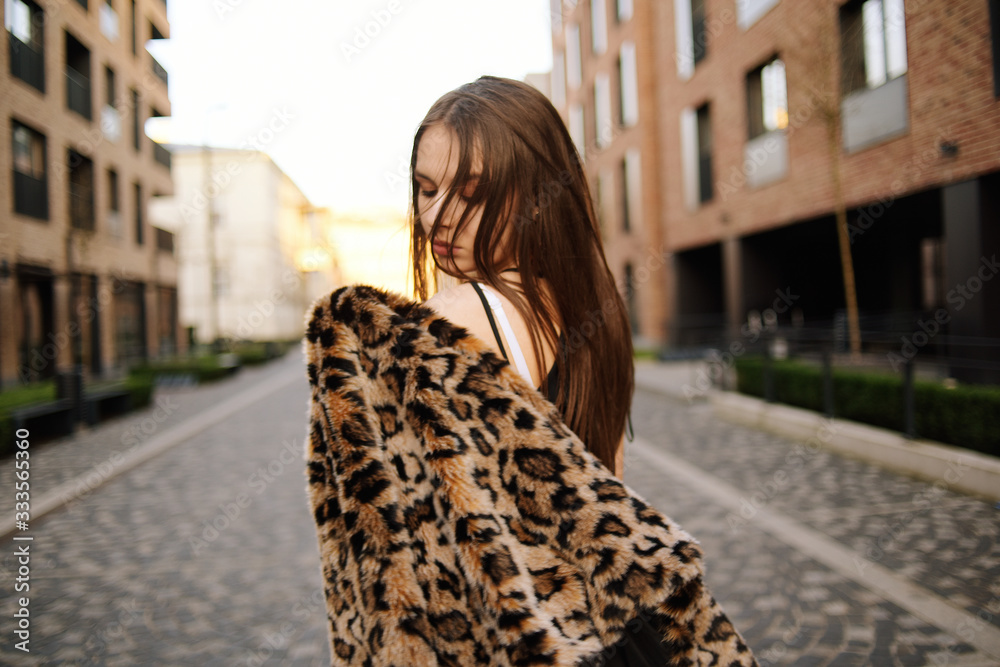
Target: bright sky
<point x="334" y="107"/>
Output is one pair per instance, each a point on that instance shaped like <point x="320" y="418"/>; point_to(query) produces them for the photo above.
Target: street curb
<point x="82" y="485"/>
<point x="960" y="469"/>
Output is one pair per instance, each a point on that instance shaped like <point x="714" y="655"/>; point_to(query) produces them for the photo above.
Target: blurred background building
<point x="723" y="138"/>
<point x="252" y="251"/>
<point x="85" y="279"/>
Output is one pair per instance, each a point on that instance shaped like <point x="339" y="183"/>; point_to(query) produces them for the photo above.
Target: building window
<point x="136" y="120"/>
<point x="626" y="212"/>
<point x="628" y="85"/>
<point x="140" y="223"/>
<point x="704" y="129"/>
<point x="603" y="133"/>
<point x="31" y="190"/>
<point x="134" y="29"/>
<point x="25" y="22"/>
<point x="109" y="21"/>
<point x="555" y="13"/>
<point x="599" y="26"/>
<point x="691" y="34"/>
<point x="574" y="75"/>
<point x="623" y="10"/>
<point x="633" y="312"/>
<point x="78" y="77"/>
<point x="577" y="123"/>
<point x="767" y="98"/>
<point x="158" y="69"/>
<point x="873" y="43"/>
<point x="631" y="190"/>
<point x="749" y="11"/>
<point x="109" y="87"/>
<point x="114" y="205"/>
<point x="81" y="191"/>
<point x="111" y="122"/>
<point x="699" y="32"/>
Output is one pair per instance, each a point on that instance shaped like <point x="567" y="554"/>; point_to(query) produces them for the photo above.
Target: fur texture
<point x="461" y="523"/>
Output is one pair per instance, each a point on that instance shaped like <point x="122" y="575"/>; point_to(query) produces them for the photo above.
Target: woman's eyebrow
<point x="424" y="177"/>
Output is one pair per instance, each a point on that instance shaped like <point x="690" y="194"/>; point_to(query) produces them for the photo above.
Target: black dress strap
<point x="489" y="314"/>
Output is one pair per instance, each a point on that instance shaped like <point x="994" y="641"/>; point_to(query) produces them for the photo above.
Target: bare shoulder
<point x="461" y="305"/>
<point x="455" y="303"/>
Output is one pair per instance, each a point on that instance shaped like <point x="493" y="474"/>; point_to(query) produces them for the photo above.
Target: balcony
<point x="164" y="240"/>
<point x="31" y="196"/>
<point x="78" y="93"/>
<point x="158" y="70"/>
<point x="161" y="154"/>
<point x="27" y="63"/>
<point x="872" y="116"/>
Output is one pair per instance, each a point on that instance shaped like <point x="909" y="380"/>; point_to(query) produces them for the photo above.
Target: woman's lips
<point x="440" y="248"/>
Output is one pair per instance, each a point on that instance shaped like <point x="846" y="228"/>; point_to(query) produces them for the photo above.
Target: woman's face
<point x="437" y="164"/>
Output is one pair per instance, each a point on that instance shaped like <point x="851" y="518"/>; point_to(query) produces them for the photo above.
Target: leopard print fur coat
<point x="461" y="523"/>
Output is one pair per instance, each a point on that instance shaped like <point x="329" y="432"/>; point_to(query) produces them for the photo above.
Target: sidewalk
<point x="967" y="471"/>
<point x="820" y="559"/>
<point x="72" y="467"/>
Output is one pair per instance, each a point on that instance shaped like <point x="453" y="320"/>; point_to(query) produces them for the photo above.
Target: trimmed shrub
<point x="966" y="416"/>
<point x="141" y="388"/>
<point x="204" y="369"/>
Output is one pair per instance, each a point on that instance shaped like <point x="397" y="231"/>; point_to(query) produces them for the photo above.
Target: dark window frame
<point x="80" y="189"/>
<point x="79" y="84"/>
<point x="27" y="59"/>
<point x="853" y="66"/>
<point x="35" y="186"/>
<point x="699" y="30"/>
<point x="755" y="98"/>
<point x="625" y="208"/>
<point x="140" y="223"/>
<point x="706" y="184"/>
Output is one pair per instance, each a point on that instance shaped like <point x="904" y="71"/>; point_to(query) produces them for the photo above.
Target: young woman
<point x="500" y="202"/>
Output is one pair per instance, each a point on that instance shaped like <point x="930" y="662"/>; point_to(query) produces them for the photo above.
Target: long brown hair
<point x="536" y="201"/>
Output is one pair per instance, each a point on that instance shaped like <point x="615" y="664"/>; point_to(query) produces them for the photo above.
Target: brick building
<point x="85" y="280"/>
<point x="757" y="121"/>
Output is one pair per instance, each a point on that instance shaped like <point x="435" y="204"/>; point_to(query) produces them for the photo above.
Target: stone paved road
<point x="206" y="554"/>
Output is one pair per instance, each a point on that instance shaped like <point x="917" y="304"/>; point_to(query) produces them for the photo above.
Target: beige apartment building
<point x="754" y="123"/>
<point x="252" y="252"/>
<point x="85" y="279"/>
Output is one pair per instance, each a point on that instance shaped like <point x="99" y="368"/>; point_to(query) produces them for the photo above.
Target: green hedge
<point x="204" y="369"/>
<point x="16" y="397"/>
<point x="252" y="353"/>
<point x="966" y="416"/>
<point x="141" y="388"/>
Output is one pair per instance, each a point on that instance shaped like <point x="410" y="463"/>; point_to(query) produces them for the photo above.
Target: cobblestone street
<point x="206" y="554"/>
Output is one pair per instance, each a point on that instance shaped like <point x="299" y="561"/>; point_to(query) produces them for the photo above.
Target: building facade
<point x="85" y="279"/>
<point x="769" y="118"/>
<point x="252" y="251"/>
<point x="603" y="85"/>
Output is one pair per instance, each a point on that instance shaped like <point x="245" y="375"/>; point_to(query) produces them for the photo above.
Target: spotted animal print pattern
<point x="460" y="522"/>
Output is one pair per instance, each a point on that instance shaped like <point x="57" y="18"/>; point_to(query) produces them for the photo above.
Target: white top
<point x="515" y="349"/>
